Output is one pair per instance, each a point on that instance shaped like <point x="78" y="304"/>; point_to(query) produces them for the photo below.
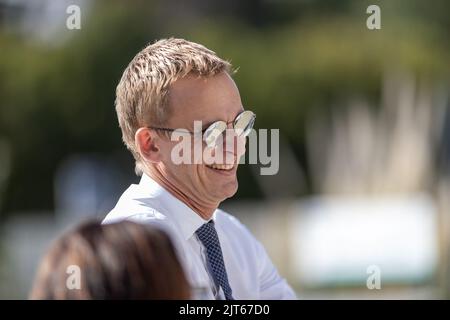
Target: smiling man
<point x="167" y="90"/>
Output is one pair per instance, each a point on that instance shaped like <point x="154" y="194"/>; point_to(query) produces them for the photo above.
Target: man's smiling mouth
<point x="224" y="167"/>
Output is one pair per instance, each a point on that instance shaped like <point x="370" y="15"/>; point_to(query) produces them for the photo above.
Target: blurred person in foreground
<point x="123" y="260"/>
<point x="169" y="88"/>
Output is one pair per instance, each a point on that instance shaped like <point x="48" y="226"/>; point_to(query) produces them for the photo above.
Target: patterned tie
<point x="208" y="236"/>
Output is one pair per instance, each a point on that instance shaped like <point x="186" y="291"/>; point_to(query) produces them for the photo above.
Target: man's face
<point x="207" y="100"/>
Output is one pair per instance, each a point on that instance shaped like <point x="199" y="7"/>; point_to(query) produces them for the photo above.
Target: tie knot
<point x="207" y="234"/>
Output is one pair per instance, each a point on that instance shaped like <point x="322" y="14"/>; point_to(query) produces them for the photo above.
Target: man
<point x="166" y="89"/>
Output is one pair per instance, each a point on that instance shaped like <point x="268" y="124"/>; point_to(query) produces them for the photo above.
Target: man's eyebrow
<point x="228" y="122"/>
<point x="206" y="124"/>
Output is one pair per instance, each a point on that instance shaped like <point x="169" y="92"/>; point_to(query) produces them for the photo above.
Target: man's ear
<point x="147" y="145"/>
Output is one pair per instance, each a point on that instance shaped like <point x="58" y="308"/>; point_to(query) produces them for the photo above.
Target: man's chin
<point x="223" y="185"/>
<point x="229" y="190"/>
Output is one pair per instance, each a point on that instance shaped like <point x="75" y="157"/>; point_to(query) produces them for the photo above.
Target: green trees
<point x="295" y="60"/>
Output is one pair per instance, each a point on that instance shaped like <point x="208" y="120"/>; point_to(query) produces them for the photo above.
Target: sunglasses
<point x="242" y="125"/>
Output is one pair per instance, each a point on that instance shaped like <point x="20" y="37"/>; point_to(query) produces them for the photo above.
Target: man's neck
<point x="203" y="209"/>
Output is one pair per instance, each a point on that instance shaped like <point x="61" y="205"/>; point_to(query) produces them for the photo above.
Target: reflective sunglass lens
<point x="244" y="123"/>
<point x="213" y="132"/>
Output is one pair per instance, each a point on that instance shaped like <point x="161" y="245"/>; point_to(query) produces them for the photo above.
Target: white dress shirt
<point x="250" y="272"/>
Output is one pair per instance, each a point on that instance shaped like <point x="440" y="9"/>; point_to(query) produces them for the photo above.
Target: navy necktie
<point x="208" y="236"/>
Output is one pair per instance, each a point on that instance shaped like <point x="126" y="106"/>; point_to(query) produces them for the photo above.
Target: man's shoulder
<point x="136" y="207"/>
<point x="144" y="214"/>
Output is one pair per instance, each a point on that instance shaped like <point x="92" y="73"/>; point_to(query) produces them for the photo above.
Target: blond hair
<point x="142" y="93"/>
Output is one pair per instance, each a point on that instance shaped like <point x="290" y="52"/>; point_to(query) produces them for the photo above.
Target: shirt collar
<point x="186" y="219"/>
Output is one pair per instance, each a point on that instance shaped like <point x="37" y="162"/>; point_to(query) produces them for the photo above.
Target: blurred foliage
<point x="294" y="57"/>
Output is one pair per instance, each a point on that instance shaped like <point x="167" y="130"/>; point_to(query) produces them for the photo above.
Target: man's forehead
<point x="204" y="98"/>
<point x="197" y="88"/>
